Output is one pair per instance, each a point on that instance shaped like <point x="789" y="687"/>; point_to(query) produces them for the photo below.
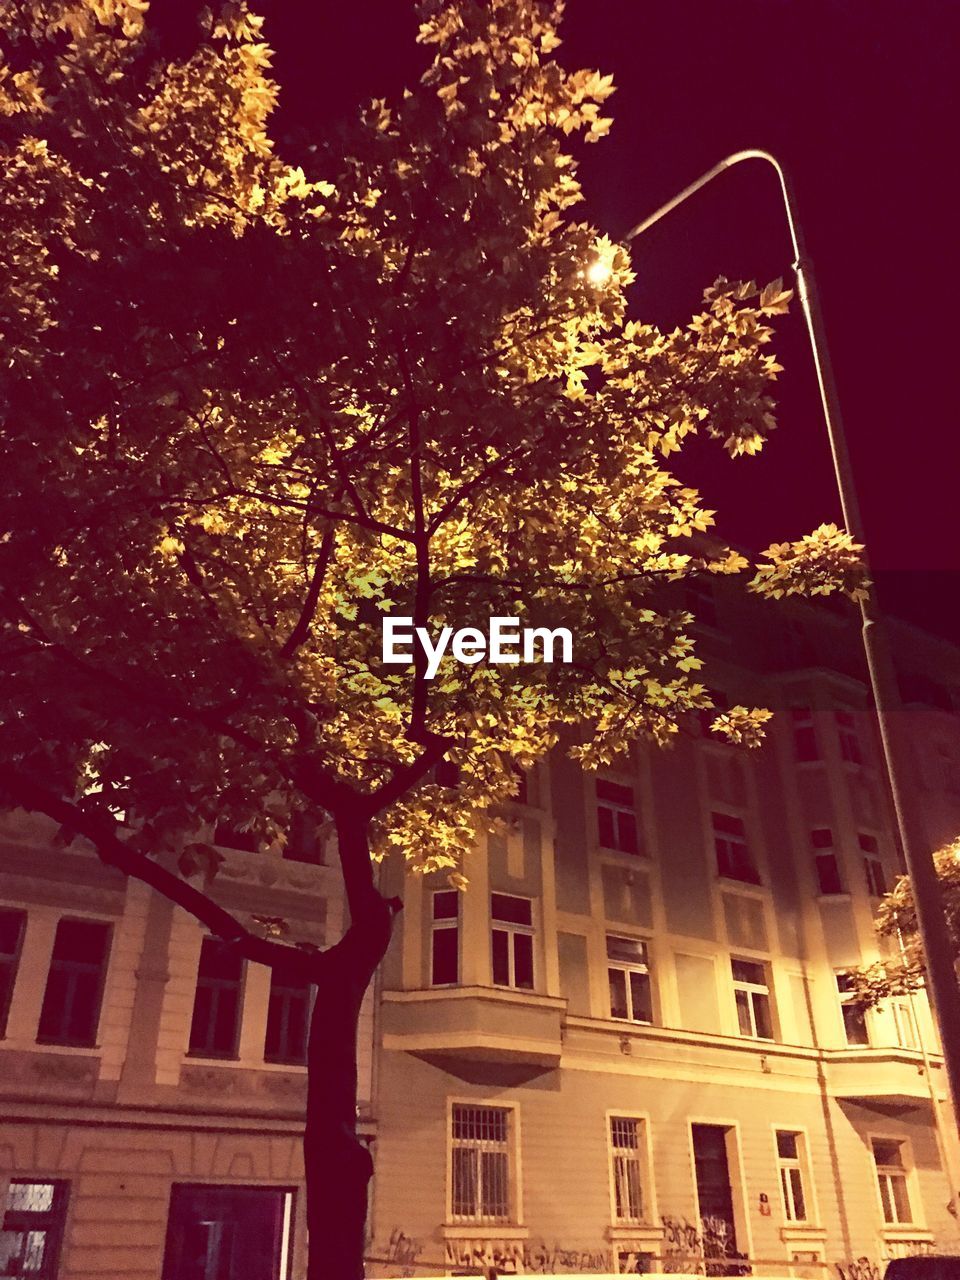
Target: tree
<point x="249" y="412"/>
<point x="896" y="921"/>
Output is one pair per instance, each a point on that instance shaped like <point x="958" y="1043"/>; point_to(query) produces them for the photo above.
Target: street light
<point x="883" y="682"/>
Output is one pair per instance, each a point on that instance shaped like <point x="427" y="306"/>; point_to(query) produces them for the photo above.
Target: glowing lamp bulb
<point x="598" y="273"/>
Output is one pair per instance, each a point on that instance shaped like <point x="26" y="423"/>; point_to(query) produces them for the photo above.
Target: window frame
<point x="512" y="929"/>
<point x="849" y="743"/>
<point x="647" y="1204"/>
<point x="874" y="869"/>
<point x="10" y="964"/>
<point x="803" y="725"/>
<point x="514" y="1213"/>
<point x="754" y="990"/>
<point x="76" y="968"/>
<point x="448" y="924"/>
<point x="216" y="983"/>
<point x="886" y="1171"/>
<point x="825" y="851"/>
<point x="861" y="1013"/>
<point x="627" y="968"/>
<point x="802" y="1165"/>
<point x="287" y="1228"/>
<point x="618" y="808"/>
<point x="287" y="991"/>
<point x="56" y="1229"/>
<point x="741" y="866"/>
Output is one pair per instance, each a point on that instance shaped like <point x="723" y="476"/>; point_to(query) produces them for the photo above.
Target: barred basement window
<point x="71" y="1001"/>
<point x="288" y="1020"/>
<point x="854" y="1018"/>
<point x="32" y="1228"/>
<point x="892" y="1180"/>
<point x="825" y="861"/>
<point x="215" y="1028"/>
<point x="616" y="816"/>
<point x="445" y="939"/>
<point x="480" y="1164"/>
<point x="12" y="925"/>
<point x="751" y="990"/>
<point x="733" y="852"/>
<point x="626" y="1157"/>
<point x="628" y="974"/>
<point x="790" y="1162"/>
<point x="512" y="941"/>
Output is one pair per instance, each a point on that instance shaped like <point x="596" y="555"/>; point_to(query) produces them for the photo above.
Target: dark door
<point x="715" y="1197"/>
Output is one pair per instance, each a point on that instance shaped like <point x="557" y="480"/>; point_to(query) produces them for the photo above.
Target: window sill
<point x="902" y="1232"/>
<point x="648" y="1232"/>
<point x="797" y="1232"/>
<point x="196" y="1055"/>
<point x="484" y="1231"/>
<point x="59" y="1046"/>
<point x="843" y="896"/>
<point x="736" y="882"/>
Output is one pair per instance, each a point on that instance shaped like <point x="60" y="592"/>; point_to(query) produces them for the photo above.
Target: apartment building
<point x="629" y="1046"/>
<point x="152" y="1083"/>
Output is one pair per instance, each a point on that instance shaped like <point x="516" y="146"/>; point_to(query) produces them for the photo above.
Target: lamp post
<point x="883" y="682"/>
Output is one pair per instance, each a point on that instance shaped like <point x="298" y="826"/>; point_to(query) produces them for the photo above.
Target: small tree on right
<point x="905" y="970"/>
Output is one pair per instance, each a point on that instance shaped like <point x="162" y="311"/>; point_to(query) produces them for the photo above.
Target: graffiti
<point x="692" y="1250"/>
<point x="521" y="1257"/>
<point x="857" y="1269"/>
<point x="401" y="1251"/>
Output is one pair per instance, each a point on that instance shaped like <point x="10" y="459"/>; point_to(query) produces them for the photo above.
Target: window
<point x="751" y="992"/>
<point x="701" y="602"/>
<point x="11" y="936"/>
<point x="512" y="940"/>
<point x="616" y="816"/>
<point x="854" y="1018"/>
<point x="480" y="1160"/>
<point x="228" y="1233"/>
<point x="288" y="1020"/>
<point x="521" y="793"/>
<point x="445" y="939"/>
<point x="32" y="1228"/>
<point x="872" y="866"/>
<point x="447" y="774"/>
<point x="629" y="976"/>
<point x="733" y="853"/>
<point x="215" y="1028"/>
<point x="904" y="1024"/>
<point x="804" y="734"/>
<point x="304" y="839"/>
<point x="232" y="837"/>
<point x="790" y="1161"/>
<point x="847" y="734"/>
<point x="71" y="1002"/>
<point x="825" y="860"/>
<point x="892" y="1177"/>
<point x="626" y="1160"/>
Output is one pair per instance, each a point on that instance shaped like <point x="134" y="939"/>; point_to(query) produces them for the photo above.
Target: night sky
<point x="858" y="100"/>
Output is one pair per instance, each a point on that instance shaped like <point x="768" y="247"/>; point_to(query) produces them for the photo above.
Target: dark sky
<point x="858" y="99"/>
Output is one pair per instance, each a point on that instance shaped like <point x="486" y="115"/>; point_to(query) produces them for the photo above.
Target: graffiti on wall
<point x="691" y="1249"/>
<point x="521" y="1257"/>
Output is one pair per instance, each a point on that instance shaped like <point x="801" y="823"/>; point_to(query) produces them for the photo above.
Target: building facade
<point x="626" y="1047"/>
<point x="152" y="1082"/>
<point x="630" y="1046"/>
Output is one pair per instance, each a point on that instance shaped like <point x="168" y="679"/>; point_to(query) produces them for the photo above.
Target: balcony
<point x="483" y="1024"/>
<point x="881" y="1077"/>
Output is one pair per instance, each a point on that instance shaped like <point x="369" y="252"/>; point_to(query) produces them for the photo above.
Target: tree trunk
<point x="338" y="1165"/>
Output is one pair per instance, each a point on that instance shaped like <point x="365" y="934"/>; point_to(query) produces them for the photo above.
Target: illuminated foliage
<point x="897" y="915"/>
<point x="248" y="413"/>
